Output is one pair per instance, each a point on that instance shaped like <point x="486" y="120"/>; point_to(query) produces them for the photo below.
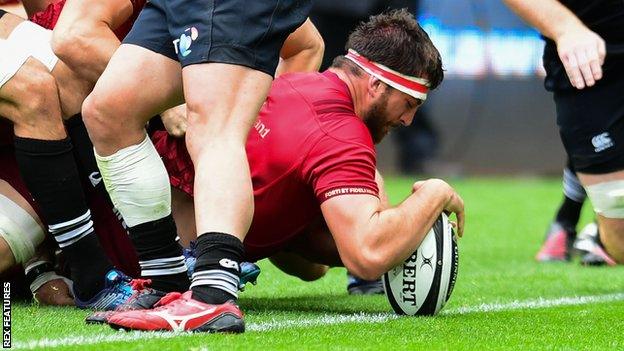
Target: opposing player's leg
<point x="562" y="231"/>
<point x="29" y="97"/>
<point x="216" y="135"/>
<point x="214" y="56"/>
<point x="591" y="122"/>
<point x="142" y="79"/>
<point x="219" y="118"/>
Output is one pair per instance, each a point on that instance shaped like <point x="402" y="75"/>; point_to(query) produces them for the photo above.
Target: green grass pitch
<point x="503" y="299"/>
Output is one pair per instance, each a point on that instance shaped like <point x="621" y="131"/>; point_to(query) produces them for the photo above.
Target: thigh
<point x="144" y="69"/>
<point x="215" y="113"/>
<point x="138" y="84"/>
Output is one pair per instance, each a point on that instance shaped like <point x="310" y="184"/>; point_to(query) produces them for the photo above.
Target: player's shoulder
<point x="329" y="100"/>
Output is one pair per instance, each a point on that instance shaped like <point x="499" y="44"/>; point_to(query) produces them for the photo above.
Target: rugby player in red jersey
<point x="312" y="160"/>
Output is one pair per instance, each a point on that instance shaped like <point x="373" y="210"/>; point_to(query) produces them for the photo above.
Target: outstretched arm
<point x="302" y="51"/>
<point x="581" y="50"/>
<point x="372" y="240"/>
<point x="83" y="37"/>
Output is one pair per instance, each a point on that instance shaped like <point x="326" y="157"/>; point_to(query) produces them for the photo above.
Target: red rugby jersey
<point x="307" y="146"/>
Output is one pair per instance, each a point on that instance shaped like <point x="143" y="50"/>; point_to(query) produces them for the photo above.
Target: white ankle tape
<point x="607" y="198"/>
<point x="137" y="183"/>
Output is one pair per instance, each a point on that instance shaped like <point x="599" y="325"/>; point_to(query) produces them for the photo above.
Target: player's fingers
<point x="460" y="223"/>
<point x="584" y="67"/>
<point x="571" y="67"/>
<point x="594" y="64"/>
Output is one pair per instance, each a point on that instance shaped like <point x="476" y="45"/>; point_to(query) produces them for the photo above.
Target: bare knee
<point x="297" y="266"/>
<point x="101" y="120"/>
<point x="34" y="91"/>
<point x="313" y="272"/>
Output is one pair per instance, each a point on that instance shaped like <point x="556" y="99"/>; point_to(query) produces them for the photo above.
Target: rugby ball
<point x="424" y="282"/>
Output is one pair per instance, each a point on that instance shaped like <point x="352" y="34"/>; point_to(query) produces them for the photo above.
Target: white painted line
<point x="536" y="303"/>
<point x="330" y="319"/>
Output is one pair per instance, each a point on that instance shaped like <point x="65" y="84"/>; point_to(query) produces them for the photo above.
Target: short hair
<point x="395" y="40"/>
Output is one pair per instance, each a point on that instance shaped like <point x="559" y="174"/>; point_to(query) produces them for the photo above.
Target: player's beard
<point x="376" y="118"/>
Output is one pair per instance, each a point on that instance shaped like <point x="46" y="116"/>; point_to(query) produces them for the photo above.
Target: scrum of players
<point x="63" y="96"/>
<point x="244" y="167"/>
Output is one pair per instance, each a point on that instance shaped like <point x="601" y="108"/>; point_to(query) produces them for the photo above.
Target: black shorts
<point x="240" y="32"/>
<point x="591" y="125"/>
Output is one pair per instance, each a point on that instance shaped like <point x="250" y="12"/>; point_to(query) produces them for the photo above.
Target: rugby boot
<point x="117" y="290"/>
<point x="190" y="258"/>
<point x="142" y="299"/>
<point x="180" y="312"/>
<point x="557" y="244"/>
<point x="357" y="286"/>
<point x="589" y="245"/>
<point x="249" y="274"/>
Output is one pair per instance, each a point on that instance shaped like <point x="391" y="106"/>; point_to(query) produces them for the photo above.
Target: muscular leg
<point x="611" y="229"/>
<point x="218" y="123"/>
<point x="136" y="85"/>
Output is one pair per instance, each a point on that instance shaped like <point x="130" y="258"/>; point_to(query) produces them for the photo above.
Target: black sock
<point x="569" y="214"/>
<point x="160" y="254"/>
<point x="217" y="269"/>
<point x="49" y="171"/>
<point x="83" y="151"/>
<point x="85" y="159"/>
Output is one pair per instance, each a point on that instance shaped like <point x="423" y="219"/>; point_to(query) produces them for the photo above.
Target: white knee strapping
<point x="19" y="229"/>
<point x="26" y="40"/>
<point x="607" y="198"/>
<point x="137" y="182"/>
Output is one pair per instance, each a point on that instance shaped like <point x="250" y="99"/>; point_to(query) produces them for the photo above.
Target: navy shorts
<point x="591" y="125"/>
<point x="241" y="32"/>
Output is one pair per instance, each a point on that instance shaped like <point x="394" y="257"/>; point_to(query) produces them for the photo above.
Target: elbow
<point x="367" y="265"/>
